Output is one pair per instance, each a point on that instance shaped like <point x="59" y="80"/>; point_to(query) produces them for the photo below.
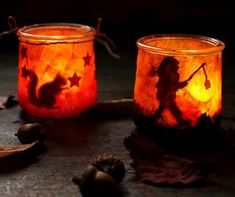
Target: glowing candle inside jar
<point x="178" y="81"/>
<point x="56" y="69"/>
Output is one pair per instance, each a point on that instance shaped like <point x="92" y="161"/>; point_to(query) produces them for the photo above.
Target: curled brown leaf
<point x="7" y="101"/>
<point x="6" y="150"/>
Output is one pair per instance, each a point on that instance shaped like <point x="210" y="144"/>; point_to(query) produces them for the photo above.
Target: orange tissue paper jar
<point x="178" y="84"/>
<point x="56" y="69"/>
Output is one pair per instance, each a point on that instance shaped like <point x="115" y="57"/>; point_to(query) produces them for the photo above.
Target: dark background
<point x="126" y="20"/>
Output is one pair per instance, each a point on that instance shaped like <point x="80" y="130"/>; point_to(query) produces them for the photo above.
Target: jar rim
<point x="81" y="33"/>
<point x="215" y="45"/>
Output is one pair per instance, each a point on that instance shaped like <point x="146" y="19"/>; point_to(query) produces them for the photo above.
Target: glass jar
<point x="56" y="69"/>
<point x="178" y="82"/>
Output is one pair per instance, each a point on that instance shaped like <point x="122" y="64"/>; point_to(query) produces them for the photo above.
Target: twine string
<point x="103" y="39"/>
<point x="12" y="24"/>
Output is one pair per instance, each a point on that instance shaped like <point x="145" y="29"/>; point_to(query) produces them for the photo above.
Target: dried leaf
<point x="7" y="102"/>
<point x="6" y="150"/>
<point x="2" y="101"/>
<point x="154" y="166"/>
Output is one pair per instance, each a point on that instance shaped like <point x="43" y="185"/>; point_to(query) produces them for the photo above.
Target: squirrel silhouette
<point x="47" y="92"/>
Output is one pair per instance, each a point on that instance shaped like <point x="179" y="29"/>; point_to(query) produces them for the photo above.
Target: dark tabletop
<point x="71" y="144"/>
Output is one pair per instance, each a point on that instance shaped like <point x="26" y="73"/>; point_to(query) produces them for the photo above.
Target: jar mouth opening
<point x="180" y="44"/>
<point x="56" y="32"/>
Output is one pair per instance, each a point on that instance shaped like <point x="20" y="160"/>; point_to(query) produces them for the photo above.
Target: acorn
<point x="111" y="165"/>
<point x="31" y="132"/>
<point x="102" y="177"/>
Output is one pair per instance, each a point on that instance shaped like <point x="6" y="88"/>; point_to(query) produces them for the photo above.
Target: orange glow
<point x="56" y="76"/>
<point x="178" y="79"/>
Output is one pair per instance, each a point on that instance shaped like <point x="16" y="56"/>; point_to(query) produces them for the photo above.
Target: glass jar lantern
<point x="56" y="69"/>
<point x="178" y="82"/>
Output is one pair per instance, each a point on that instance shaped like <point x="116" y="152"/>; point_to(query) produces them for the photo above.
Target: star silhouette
<point x="23" y="52"/>
<point x="87" y="59"/>
<point x="74" y="80"/>
<point x="24" y="72"/>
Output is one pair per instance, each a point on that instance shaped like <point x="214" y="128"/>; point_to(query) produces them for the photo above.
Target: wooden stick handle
<point x="191" y="76"/>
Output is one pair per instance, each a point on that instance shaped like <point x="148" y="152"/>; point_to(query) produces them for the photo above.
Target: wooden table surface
<point x="71" y="144"/>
